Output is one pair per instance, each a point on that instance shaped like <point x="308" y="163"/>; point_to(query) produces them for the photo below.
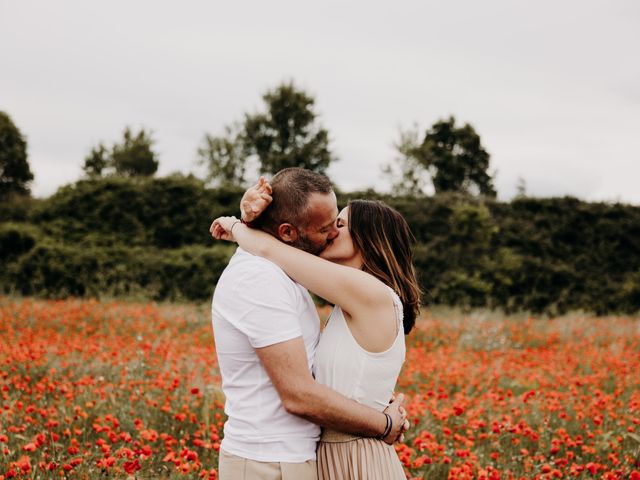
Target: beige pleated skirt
<point x="347" y="457"/>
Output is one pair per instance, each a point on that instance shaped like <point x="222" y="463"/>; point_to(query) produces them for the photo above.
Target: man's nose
<point x="333" y="233"/>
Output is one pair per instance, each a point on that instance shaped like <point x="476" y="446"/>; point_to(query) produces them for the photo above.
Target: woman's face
<point x="342" y="250"/>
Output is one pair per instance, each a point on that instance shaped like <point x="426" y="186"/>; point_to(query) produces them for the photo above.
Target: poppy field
<point x="124" y="390"/>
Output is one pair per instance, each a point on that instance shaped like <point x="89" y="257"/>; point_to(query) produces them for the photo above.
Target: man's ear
<point x="287" y="233"/>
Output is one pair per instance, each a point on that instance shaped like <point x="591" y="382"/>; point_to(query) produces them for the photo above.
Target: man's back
<point x="255" y="305"/>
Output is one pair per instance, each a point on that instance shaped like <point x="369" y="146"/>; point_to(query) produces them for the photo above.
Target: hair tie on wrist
<point x="234" y="224"/>
<point x="389" y="426"/>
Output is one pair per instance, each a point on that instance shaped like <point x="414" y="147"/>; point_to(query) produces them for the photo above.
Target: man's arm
<point x="301" y="395"/>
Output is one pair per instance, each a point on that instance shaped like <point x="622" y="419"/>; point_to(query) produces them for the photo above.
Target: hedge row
<point x="149" y="237"/>
<point x="47" y="269"/>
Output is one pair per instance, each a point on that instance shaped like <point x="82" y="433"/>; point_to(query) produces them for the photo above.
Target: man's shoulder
<point x="246" y="267"/>
<point x="251" y="283"/>
<point x="242" y="260"/>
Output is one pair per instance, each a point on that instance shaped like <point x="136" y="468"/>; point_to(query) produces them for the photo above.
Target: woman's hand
<point x="255" y="200"/>
<point x="222" y="228"/>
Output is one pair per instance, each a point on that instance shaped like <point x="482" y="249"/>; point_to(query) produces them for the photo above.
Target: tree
<point x="225" y="157"/>
<point x="134" y="157"/>
<point x="521" y="188"/>
<point x="412" y="177"/>
<point x="97" y="161"/>
<point x="453" y="157"/>
<point x="287" y="134"/>
<point x="15" y="173"/>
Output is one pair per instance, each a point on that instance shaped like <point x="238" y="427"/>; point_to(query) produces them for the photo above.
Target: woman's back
<point x="343" y="365"/>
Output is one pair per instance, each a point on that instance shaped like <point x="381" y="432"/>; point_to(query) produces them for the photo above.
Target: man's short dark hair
<point x="292" y="188"/>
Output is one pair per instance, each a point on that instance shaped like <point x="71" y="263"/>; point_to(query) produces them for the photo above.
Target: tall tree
<point x="97" y="161"/>
<point x="521" y="188"/>
<point x="288" y="133"/>
<point x="15" y="173"/>
<point x="453" y="157"/>
<point x="134" y="156"/>
<point x="225" y="157"/>
<point x="408" y="174"/>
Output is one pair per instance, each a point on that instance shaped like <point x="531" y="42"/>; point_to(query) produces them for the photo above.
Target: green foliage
<point x="133" y="157"/>
<point x="167" y="212"/>
<point x="408" y="174"/>
<point x="225" y="157"/>
<point x="628" y="297"/>
<point x="16" y="239"/>
<point x="142" y="237"/>
<point x="97" y="161"/>
<point x="454" y="255"/>
<point x="18" y="207"/>
<point x="15" y="173"/>
<point x="541" y="255"/>
<point x="59" y="270"/>
<point x="287" y="133"/>
<point x="453" y="157"/>
<point x="577" y="254"/>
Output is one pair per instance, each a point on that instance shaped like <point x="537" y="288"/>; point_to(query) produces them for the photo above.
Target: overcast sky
<point x="552" y="87"/>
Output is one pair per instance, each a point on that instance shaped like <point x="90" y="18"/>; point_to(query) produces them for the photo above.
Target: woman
<point x="371" y="281"/>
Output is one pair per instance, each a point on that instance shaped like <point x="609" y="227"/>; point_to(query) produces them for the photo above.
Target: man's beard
<point x="304" y="244"/>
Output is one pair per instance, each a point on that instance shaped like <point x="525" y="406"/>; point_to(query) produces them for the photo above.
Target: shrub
<point x="59" y="270"/>
<point x="16" y="239"/>
<point x="149" y="237"/>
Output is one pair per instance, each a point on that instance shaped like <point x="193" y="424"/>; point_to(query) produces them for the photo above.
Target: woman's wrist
<point x="233" y="225"/>
<point x="388" y="427"/>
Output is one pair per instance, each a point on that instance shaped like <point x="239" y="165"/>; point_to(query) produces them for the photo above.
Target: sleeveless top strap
<point x="397" y="303"/>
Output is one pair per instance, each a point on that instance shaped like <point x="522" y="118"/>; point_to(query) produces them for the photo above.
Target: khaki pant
<point x="232" y="467"/>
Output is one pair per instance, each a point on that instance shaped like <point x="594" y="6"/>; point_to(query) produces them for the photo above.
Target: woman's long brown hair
<point x="384" y="239"/>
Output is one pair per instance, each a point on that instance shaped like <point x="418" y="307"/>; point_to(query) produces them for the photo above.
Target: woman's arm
<point x="353" y="290"/>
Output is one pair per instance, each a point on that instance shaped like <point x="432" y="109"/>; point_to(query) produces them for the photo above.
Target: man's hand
<point x="255" y="200"/>
<point x="399" y="419"/>
<point x="221" y="228"/>
<point x="406" y="425"/>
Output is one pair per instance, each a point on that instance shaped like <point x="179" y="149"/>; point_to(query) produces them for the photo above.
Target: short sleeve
<point x="265" y="306"/>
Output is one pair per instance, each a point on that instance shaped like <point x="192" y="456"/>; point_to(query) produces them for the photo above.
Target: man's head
<point x="303" y="211"/>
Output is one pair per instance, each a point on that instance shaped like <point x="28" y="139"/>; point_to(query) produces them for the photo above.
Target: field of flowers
<point x="97" y="389"/>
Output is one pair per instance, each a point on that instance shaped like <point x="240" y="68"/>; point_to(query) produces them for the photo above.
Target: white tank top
<point x="343" y="365"/>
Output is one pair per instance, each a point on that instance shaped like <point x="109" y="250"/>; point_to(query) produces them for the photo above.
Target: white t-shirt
<point x="255" y="305"/>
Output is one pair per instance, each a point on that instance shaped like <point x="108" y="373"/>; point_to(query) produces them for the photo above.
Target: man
<point x="266" y="331"/>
